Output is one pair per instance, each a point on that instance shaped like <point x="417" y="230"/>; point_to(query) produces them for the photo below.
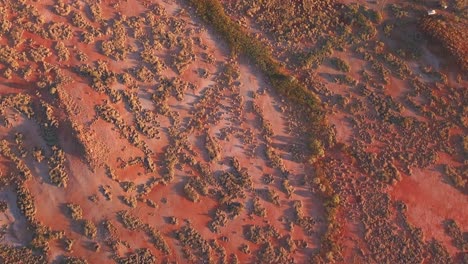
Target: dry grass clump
<point x="100" y="76"/>
<point x="147" y="122"/>
<point x="3" y="206"/>
<point x="62" y="52"/>
<point x="275" y="160"/>
<point x="220" y="219"/>
<point x="191" y="193"/>
<point x="111" y="115"/>
<point x="270" y="254"/>
<point x="457" y="177"/>
<point x="130" y="201"/>
<point x="268" y="178"/>
<point x="244" y="248"/>
<point x="89" y="229"/>
<point x="38" y="154"/>
<point x="23" y="171"/>
<point x="184" y="57"/>
<point x="194" y="246"/>
<point x="438" y="253"/>
<point x="143" y="74"/>
<point x="233" y="209"/>
<point x="87" y="37"/>
<point x="38" y="53"/>
<point x="149" y="56"/>
<point x="459" y="238"/>
<point x="48" y="122"/>
<point x="81" y="56"/>
<point x="57" y="172"/>
<point x="10" y="254"/>
<point x="156" y="239"/>
<point x="5" y="23"/>
<point x="96" y="12"/>
<point x="451" y="33"/>
<point x="258" y="209"/>
<point x="75" y="211"/>
<point x="133" y="223"/>
<point x="271" y="196"/>
<point x="10" y="57"/>
<point x="16" y="36"/>
<point x="261" y="234"/>
<point x="68" y="244"/>
<point x="25" y="202"/>
<point x="288" y="189"/>
<point x="318" y="150"/>
<point x="78" y="20"/>
<point x="21" y="102"/>
<point x="129" y="221"/>
<point x="128" y="186"/>
<point x="42" y="236"/>
<point x="117" y="47"/>
<point x="60" y="31"/>
<point x="290" y="21"/>
<point x="233" y="259"/>
<point x="62" y="8"/>
<point x="234" y="185"/>
<point x="212" y="147"/>
<point x="73" y="260"/>
<point x="106" y="192"/>
<point x="141" y="256"/>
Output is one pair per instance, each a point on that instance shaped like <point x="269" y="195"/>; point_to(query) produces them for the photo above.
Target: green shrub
<point x="340" y="64"/>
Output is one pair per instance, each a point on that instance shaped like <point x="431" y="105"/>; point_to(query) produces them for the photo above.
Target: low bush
<point x="75" y="211"/>
<point x="340" y="64"/>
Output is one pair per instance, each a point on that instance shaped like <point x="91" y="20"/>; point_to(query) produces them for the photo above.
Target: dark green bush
<point x="340" y="64"/>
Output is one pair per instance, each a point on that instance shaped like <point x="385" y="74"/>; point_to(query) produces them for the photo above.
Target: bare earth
<point x="133" y="136"/>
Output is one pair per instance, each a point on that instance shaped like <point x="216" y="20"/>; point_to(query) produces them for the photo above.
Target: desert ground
<point x="150" y="132"/>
